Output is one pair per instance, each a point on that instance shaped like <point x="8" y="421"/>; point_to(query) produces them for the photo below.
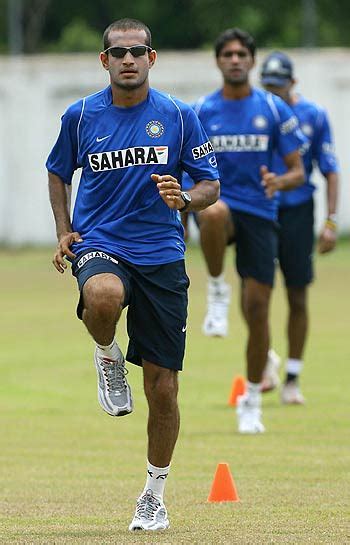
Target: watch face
<point x="186" y="197"/>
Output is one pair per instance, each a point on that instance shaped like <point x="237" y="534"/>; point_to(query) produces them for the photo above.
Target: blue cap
<point x="277" y="69"/>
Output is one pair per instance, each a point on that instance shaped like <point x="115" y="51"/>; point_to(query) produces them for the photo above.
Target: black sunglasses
<point x="135" y="50"/>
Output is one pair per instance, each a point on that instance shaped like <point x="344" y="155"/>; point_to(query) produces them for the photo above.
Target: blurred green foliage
<point x="77" y="36"/>
<point x="66" y="25"/>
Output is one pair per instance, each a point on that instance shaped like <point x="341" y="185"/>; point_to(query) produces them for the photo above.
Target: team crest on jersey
<point x="260" y="122"/>
<point x="129" y="157"/>
<point x="154" y="129"/>
<point x="307" y="129"/>
<point x="202" y="151"/>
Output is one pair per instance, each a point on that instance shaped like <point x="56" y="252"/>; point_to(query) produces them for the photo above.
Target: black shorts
<point x="296" y="244"/>
<point x="256" y="247"/>
<point x="156" y="296"/>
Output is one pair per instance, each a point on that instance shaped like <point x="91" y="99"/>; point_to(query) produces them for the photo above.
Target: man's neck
<point x="236" y="92"/>
<point x="126" y="98"/>
<point x="293" y="99"/>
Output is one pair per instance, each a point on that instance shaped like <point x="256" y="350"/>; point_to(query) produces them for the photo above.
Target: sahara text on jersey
<point x="142" y="155"/>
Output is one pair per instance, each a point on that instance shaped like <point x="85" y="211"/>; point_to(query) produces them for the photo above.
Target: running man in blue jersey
<point x="125" y="239"/>
<point x="245" y="126"/>
<point x="296" y="218"/>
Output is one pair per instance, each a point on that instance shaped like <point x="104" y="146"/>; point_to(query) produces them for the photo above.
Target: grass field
<point x="70" y="474"/>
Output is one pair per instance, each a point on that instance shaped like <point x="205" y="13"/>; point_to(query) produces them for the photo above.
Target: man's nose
<point x="235" y="57"/>
<point x="128" y="58"/>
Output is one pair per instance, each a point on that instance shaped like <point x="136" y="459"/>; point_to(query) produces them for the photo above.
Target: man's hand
<point x="327" y="240"/>
<point x="170" y="190"/>
<point x="62" y="250"/>
<point x="270" y="181"/>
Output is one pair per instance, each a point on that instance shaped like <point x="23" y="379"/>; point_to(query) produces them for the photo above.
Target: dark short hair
<point x="235" y="34"/>
<point x="126" y="24"/>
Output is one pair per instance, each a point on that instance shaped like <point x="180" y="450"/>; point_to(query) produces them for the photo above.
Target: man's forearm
<point x="291" y="179"/>
<point x="204" y="194"/>
<point x="295" y="175"/>
<point x="332" y="192"/>
<point x="60" y="204"/>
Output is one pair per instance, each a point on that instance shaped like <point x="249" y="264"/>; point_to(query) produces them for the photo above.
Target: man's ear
<point x="152" y="58"/>
<point x="104" y="60"/>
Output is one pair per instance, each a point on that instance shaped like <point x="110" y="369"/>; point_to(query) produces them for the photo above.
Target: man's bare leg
<point x="216" y="229"/>
<point x="255" y="298"/>
<point x="103" y="302"/>
<point x="103" y="299"/>
<point x="161" y="387"/>
<point x="297" y="332"/>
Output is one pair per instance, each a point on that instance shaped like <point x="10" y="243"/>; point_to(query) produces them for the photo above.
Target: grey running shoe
<point x="113" y="390"/>
<point x="150" y="513"/>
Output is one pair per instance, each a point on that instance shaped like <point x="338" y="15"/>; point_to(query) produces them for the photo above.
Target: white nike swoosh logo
<point x="184" y="329"/>
<point x="98" y="139"/>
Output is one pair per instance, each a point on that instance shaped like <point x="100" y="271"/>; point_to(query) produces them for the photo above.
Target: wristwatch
<point x="187" y="199"/>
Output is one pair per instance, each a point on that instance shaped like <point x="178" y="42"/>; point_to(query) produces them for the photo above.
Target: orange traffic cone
<point x="223" y="487"/>
<point x="238" y="388"/>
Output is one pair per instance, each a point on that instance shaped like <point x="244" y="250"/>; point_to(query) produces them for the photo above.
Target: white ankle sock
<point x="156" y="478"/>
<point x="110" y="351"/>
<point x="294" y="366"/>
<point x="217" y="280"/>
<point x="254" y="392"/>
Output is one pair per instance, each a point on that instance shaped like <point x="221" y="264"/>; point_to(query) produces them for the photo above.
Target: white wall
<point x="35" y="91"/>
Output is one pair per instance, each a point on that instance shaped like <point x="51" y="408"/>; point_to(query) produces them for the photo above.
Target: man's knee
<point x="103" y="293"/>
<point x="256" y="302"/>
<point x="215" y="214"/>
<point x="256" y="309"/>
<point x="161" y="386"/>
<point x="297" y="300"/>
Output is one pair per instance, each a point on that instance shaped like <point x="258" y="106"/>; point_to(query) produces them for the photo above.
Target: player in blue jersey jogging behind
<point x="245" y="126"/>
<point x="296" y="218"/>
<point x="125" y="239"/>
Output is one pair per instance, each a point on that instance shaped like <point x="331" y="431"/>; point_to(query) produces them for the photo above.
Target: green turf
<point x="70" y="474"/>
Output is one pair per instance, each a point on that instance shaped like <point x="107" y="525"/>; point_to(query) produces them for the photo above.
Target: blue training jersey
<point x="244" y="134"/>
<point x="318" y="149"/>
<point x="118" y="208"/>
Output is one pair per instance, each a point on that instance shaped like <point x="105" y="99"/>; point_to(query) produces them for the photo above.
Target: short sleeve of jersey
<point x="62" y="160"/>
<point x="323" y="147"/>
<point x="197" y="156"/>
<point x="289" y="136"/>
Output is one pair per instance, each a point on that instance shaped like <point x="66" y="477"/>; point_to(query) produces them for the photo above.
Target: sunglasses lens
<point x="118" y="52"/>
<point x="135" y="50"/>
<point x="138" y="50"/>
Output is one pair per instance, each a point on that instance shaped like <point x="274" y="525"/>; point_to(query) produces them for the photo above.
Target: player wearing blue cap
<point x="125" y="240"/>
<point x="245" y="126"/>
<point x="296" y="218"/>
